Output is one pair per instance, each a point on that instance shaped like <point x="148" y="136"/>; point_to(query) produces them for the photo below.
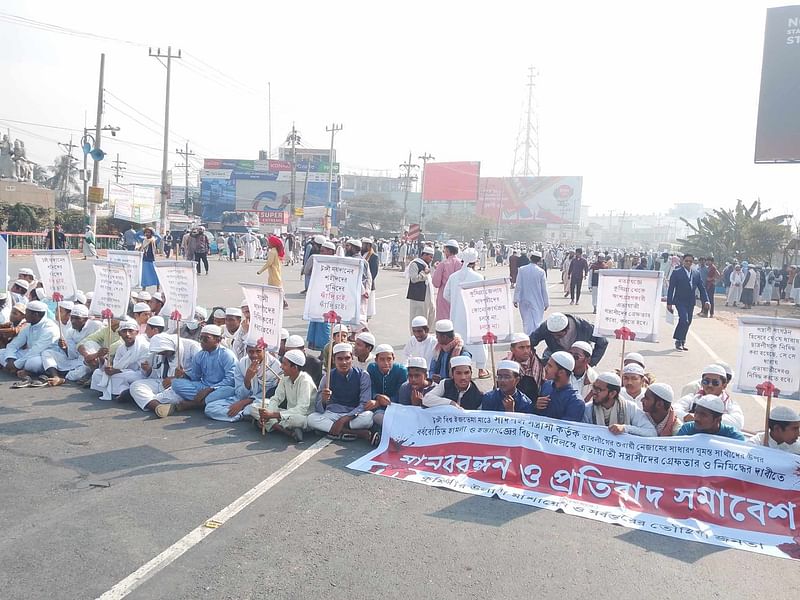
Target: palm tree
<point x="22" y="217"/>
<point x="64" y="180"/>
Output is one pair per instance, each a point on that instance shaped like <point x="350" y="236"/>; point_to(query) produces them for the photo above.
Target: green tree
<point x="373" y="215"/>
<point x="742" y="232"/>
<point x="64" y="180"/>
<point x="460" y="226"/>
<point x="20" y="217"/>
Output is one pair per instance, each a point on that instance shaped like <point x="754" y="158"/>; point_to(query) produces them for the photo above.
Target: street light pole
<point x="424" y="158"/>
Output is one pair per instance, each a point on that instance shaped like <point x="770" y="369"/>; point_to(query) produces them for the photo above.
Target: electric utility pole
<point x="424" y="158"/>
<point x="98" y="128"/>
<point x="293" y="139"/>
<point x="186" y="153"/>
<point x="118" y="168"/>
<point x="407" y="185"/>
<point x="329" y="211"/>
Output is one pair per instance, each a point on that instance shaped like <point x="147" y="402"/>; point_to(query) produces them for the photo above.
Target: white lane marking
<point x="194" y="537"/>
<point x="383" y="297"/>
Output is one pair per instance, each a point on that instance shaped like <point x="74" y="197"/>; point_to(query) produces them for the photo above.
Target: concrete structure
<point x="13" y="192"/>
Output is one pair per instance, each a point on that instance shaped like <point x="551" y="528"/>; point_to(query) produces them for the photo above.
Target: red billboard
<point x="451" y="182"/>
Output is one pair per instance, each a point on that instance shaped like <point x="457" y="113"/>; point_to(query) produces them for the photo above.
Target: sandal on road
<point x="38" y="383"/>
<point x="375" y="439"/>
<point x="25" y="383"/>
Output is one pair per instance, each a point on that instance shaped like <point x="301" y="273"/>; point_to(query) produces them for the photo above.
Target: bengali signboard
<point x="769" y="350"/>
<point x="56" y="273"/>
<point x="335" y="285"/>
<point x="112" y="289"/>
<point x="132" y="260"/>
<point x="488" y="305"/>
<point x="266" y="314"/>
<point x="178" y="279"/>
<point x="698" y="488"/>
<point x="628" y="298"/>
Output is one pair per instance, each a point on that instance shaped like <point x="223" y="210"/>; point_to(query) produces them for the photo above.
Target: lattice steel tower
<point x="526" y="151"/>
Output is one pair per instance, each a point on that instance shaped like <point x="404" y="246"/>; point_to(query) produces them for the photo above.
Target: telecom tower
<point x="526" y="152"/>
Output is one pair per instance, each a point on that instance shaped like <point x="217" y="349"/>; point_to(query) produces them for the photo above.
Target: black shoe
<point x="683" y="347"/>
<point x="678" y="346"/>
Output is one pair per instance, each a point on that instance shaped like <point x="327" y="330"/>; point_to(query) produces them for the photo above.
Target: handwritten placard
<point x="488" y="306"/>
<point x="266" y="314"/>
<point x="628" y="298"/>
<point x="112" y="289"/>
<point x="335" y="285"/>
<point x="769" y="350"/>
<point x="178" y="279"/>
<point x="56" y="273"/>
<point x="133" y="263"/>
<point x="3" y="261"/>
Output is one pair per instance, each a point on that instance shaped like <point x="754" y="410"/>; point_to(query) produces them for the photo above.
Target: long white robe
<point x="71" y="359"/>
<point x="458" y="312"/>
<point x="531" y="295"/>
<point x="127" y="359"/>
<point x="27" y="347"/>
<point x="143" y="391"/>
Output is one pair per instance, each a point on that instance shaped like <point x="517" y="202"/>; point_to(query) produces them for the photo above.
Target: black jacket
<point x="585" y="331"/>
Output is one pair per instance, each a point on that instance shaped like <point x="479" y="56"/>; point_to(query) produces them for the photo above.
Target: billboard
<point x="451" y="181"/>
<point x="778" y="128"/>
<point x="135" y="203"/>
<point x="540" y="200"/>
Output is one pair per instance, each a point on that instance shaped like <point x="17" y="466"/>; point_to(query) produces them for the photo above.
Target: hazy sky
<point x="652" y="103"/>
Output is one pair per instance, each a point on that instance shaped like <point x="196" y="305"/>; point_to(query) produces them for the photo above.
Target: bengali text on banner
<point x="56" y="273"/>
<point x="335" y="286"/>
<point x="265" y="303"/>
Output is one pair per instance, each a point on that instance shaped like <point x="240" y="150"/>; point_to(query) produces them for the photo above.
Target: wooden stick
<point x="766" y="419"/>
<point x="494" y="371"/>
<point x="178" y="345"/>
<point x="58" y="318"/>
<point x="264" y="392"/>
<point x="622" y="356"/>
<point x="330" y="358"/>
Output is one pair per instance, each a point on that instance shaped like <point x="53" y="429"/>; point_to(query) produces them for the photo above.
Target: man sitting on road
<point x="141" y="314"/>
<point x="296" y="390"/>
<point x="421" y="343"/>
<point x="557" y="398"/>
<point x="59" y="362"/>
<point x="312" y="365"/>
<point x="507" y="398"/>
<point x="11" y="328"/>
<point x="633" y="383"/>
<point x="610" y="410"/>
<point x="560" y="331"/>
<point x="362" y="350"/>
<point x="784" y="429"/>
<point x="448" y="346"/>
<point x="94" y="348"/>
<point x="340" y="333"/>
<point x="657" y="404"/>
<point x="386" y="376"/>
<point x="638" y="359"/>
<point x="713" y="383"/>
<point x="117" y="374"/>
<point x="696" y="386"/>
<point x="343" y="394"/>
<point x="459" y="390"/>
<point x="233" y="321"/>
<point x="709" y="411"/>
<point x="530" y="369"/>
<point x="23" y="354"/>
<point x="154" y="326"/>
<point x="583" y="375"/>
<point x="417" y="384"/>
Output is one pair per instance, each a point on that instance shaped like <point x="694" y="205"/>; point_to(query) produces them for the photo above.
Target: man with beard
<point x="610" y="410"/>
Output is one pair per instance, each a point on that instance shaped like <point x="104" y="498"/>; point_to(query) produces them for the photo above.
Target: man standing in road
<point x="444" y="270"/>
<point x="530" y="294"/>
<point x="682" y="285"/>
<point x="129" y="239"/>
<point x="560" y="332"/>
<point x="420" y="290"/>
<point x="578" y="269"/>
<point x="712" y="275"/>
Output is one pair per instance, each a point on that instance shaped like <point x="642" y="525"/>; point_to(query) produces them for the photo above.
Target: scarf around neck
<point x="454" y="348"/>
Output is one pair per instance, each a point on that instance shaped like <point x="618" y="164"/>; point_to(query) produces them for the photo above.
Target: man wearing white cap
<point x="94" y="348"/>
<point x="312" y="365"/>
<point x="342" y="396"/>
<point x="211" y="377"/>
<point x="708" y="416"/>
<point x="12" y="328"/>
<point x="560" y="331"/>
<point x="530" y="294"/>
<point x="23" y="354"/>
<point x="451" y="264"/>
<point x="458" y="311"/>
<point x="26" y="274"/>
<point x="633" y="383"/>
<point x="233" y="321"/>
<point x="159" y="369"/>
<point x="417" y="384"/>
<point x="583" y="375"/>
<point x="19" y="291"/>
<point x="340" y="333"/>
<point x="449" y="345"/>
<point x="557" y="398"/>
<point x="636" y="358"/>
<point x="115" y="376"/>
<point x="141" y="314"/>
<point x="657" y="404"/>
<point x="353" y="250"/>
<point x="5" y="307"/>
<point x="712" y="383"/>
<point x="58" y="363"/>
<point x="420" y="288"/>
<point x="696" y="386"/>
<point x="362" y="350"/>
<point x="386" y="376"/>
<point x="154" y="326"/>
<point x="610" y="410"/>
<point x="784" y="429"/>
<point x="458" y="390"/>
<point x="530" y="369"/>
<point x="507" y="398"/>
<point x="421" y="343"/>
<point x="296" y="391"/>
<point x="318" y="332"/>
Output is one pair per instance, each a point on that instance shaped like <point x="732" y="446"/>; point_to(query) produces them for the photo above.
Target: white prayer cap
<point x="3" y="295"/>
<point x="329" y="245"/>
<point x="284" y="334"/>
<point x="469" y="256"/>
<point x="162" y="342"/>
<point x="342" y="347"/>
<point x="419" y="321"/>
<point x="508" y="365"/>
<point x="784" y="413"/>
<point x="714" y="370"/>
<point x="711" y="402"/>
<point x="366" y="240"/>
<point x="557" y="322"/>
<point x="366" y="337"/>
<point x="354" y="242"/>
<point x="663" y="391"/>
<point x="536" y="253"/>
<point x="66" y="305"/>
<point x="319" y="239"/>
<point x="26" y="271"/>
<point x="89" y="295"/>
<point x="427" y="250"/>
<point x="80" y="297"/>
<point x="297" y="357"/>
<point x="516" y="338"/>
<point x="340" y="328"/>
<point x="141" y="307"/>
<point x="200" y="313"/>
<point x="244" y="303"/>
<point x="610" y="378"/>
<point x="215" y="330"/>
<point x="40" y="293"/>
<point x="451" y="244"/>
<point x="144" y="296"/>
<point x="79" y="310"/>
<point x="157" y="296"/>
<point x="37" y="306"/>
<point x="134" y="295"/>
<point x="460" y="361"/>
<point x="727" y="367"/>
<point x="219" y="314"/>
<point x="295" y="341"/>
<point x="127" y="324"/>
<point x="192" y="325"/>
<point x="19" y="306"/>
<point x="634" y="357"/>
<point x="156" y="321"/>
<point x="384" y="348"/>
<point x="633" y="369"/>
<point x="444" y="326"/>
<point x="21" y="283"/>
<point x="233" y="312"/>
<point x="564" y="360"/>
<point x="583" y="346"/>
<point x="418" y="362"/>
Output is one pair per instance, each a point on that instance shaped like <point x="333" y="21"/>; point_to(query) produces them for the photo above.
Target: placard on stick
<point x="132" y="261"/>
<point x="335" y="285"/>
<point x="56" y="273"/>
<point x="112" y="289"/>
<point x="769" y="351"/>
<point x="266" y="314"/>
<point x="178" y="279"/>
<point x="628" y="298"/>
<point x="489" y="309"/>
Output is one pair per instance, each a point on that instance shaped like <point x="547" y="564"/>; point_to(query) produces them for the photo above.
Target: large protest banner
<point x="178" y="280"/>
<point x="628" y="298"/>
<point x="112" y="289"/>
<point x="3" y="261"/>
<point x="488" y="305"/>
<point x="700" y="488"/>
<point x="769" y="350"/>
<point x="335" y="285"/>
<point x="132" y="261"/>
<point x="56" y="273"/>
<point x="266" y="314"/>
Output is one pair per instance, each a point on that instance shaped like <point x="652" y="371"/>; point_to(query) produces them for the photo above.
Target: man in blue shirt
<point x="387" y="376"/>
<point x="708" y="411"/>
<point x="507" y="398"/>
<point x="557" y="398"/>
<point x="448" y="345"/>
